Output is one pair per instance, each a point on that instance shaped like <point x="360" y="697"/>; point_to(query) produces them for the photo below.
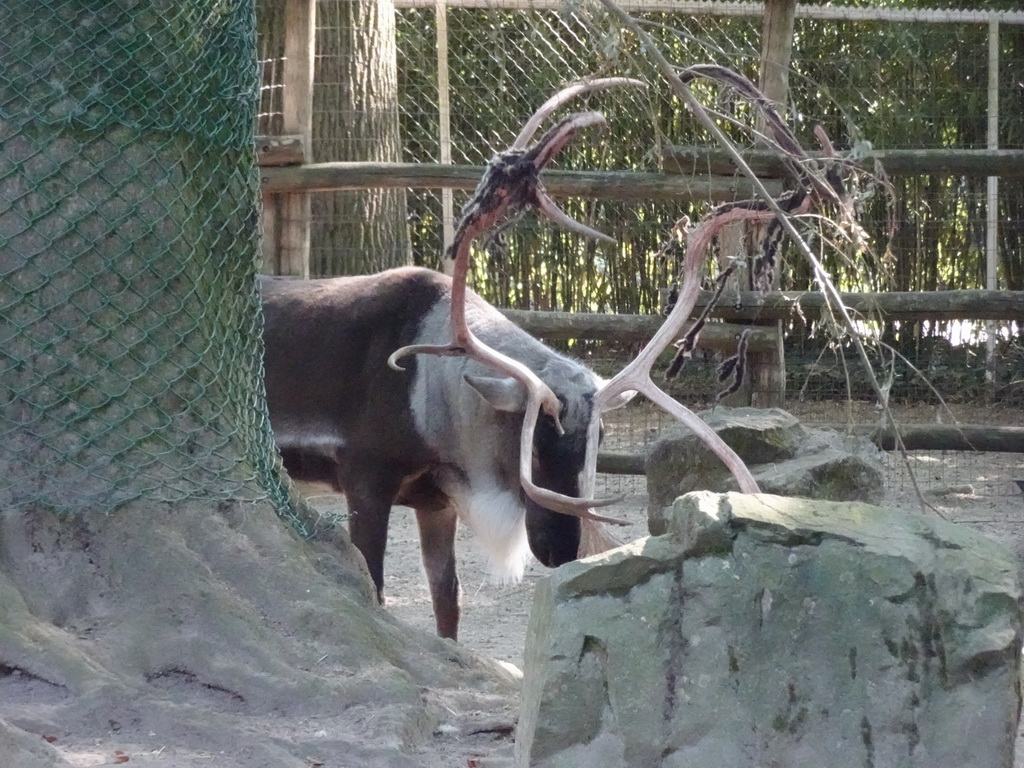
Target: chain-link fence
<point x="129" y="333"/>
<point x="898" y="79"/>
<point x="881" y="81"/>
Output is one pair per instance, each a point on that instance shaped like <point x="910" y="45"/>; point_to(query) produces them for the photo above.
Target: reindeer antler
<point x="823" y="183"/>
<point x="637" y="375"/>
<point x="511" y="183"/>
<point x="813" y="186"/>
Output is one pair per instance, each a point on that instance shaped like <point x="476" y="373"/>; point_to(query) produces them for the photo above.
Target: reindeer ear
<point x="504" y="394"/>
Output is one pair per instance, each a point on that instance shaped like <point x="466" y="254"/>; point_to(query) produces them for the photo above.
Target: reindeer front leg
<point x="437" y="544"/>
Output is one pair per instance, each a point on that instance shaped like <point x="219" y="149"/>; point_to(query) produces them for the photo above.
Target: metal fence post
<point x="992" y="202"/>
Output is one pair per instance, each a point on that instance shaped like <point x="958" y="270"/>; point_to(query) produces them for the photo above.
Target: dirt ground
<point x="195" y="723"/>
<point x="494" y="615"/>
<point x="974" y="489"/>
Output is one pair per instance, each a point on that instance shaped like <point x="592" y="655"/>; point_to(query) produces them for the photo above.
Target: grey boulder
<point x="770" y="631"/>
<point x="785" y="457"/>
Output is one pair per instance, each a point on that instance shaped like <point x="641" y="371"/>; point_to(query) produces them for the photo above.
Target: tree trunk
<point x="355" y="117"/>
<point x="130" y="326"/>
<point x="165" y="610"/>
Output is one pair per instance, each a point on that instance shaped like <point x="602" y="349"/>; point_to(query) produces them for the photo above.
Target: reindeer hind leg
<point x="369" y="506"/>
<point x="437" y="521"/>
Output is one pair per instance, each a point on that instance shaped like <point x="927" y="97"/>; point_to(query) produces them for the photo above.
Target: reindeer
<point x="441" y="437"/>
<point x="445" y="435"/>
<point x="514" y="455"/>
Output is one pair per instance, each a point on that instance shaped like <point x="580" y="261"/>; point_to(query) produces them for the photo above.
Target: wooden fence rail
<point x="766" y="340"/>
<point x="633" y="328"/>
<point x="892" y="305"/>
<point x="1005" y="163"/>
<point x="686" y="179"/>
<point x="777" y="305"/>
<point x="602" y="185"/>
<point x="916" y="437"/>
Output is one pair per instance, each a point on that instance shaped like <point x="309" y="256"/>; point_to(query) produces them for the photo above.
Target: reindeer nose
<point x="554" y="538"/>
<point x="550" y="554"/>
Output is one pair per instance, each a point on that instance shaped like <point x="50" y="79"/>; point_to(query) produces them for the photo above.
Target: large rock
<point x="172" y="632"/>
<point x="766" y="631"/>
<point x="785" y="457"/>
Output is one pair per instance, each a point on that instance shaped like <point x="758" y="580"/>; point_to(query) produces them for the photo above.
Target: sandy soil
<point x="494" y="615"/>
<point x="975" y="489"/>
<point x="210" y="711"/>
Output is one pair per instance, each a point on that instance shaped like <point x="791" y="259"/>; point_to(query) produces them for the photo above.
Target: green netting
<point x="129" y="318"/>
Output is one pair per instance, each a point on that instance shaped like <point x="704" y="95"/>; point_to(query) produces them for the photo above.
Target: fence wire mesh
<point x="918" y="80"/>
<point x="863" y="80"/>
<point x="129" y="319"/>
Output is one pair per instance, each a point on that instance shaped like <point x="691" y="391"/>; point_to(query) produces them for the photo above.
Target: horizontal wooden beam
<point x="747" y="306"/>
<point x="634" y="328"/>
<point x="916" y="437"/>
<point x="618" y="463"/>
<point x="603" y="185"/>
<point x="1006" y="163"/>
<point x="942" y="437"/>
<point x="895" y="305"/>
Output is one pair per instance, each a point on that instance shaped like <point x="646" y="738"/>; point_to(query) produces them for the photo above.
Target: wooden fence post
<point x="767" y="370"/>
<point x="733" y="247"/>
<point x="765" y="382"/>
<point x="285" y="220"/>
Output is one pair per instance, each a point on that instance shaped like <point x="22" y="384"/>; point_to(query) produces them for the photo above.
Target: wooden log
<point x="1005" y="163"/>
<point x="615" y="463"/>
<point x="942" y="437"/>
<point x="602" y="185"/>
<point x="895" y="305"/>
<point x="632" y="328"/>
<point x="916" y="437"/>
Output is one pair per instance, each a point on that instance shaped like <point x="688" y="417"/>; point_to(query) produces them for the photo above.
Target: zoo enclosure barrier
<point x="469" y="72"/>
<point x="127" y="253"/>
